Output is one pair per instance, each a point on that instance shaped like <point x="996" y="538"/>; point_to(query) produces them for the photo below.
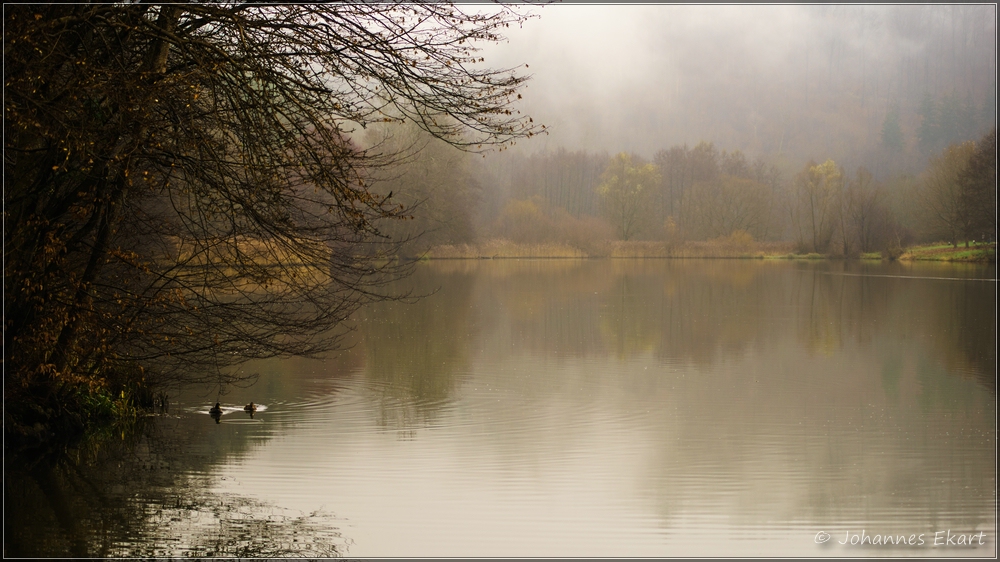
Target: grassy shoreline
<point x="714" y="249"/>
<point x="975" y="253"/>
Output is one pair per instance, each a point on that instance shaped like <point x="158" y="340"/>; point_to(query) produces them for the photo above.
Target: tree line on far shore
<point x="688" y="193"/>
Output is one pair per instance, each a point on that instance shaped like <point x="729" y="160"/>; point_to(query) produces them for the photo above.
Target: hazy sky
<point x="605" y="76"/>
<point x="758" y="78"/>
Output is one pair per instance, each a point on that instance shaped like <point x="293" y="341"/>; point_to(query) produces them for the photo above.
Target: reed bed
<point x="502" y="248"/>
<point x="632" y="249"/>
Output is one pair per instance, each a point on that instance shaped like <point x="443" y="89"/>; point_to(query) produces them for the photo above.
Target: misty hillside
<point x="796" y="82"/>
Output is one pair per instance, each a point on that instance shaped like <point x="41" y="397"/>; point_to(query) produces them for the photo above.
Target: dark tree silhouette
<point x="978" y="192"/>
<point x="181" y="188"/>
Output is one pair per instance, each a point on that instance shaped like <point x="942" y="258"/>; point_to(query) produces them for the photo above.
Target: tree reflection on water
<point x="138" y="496"/>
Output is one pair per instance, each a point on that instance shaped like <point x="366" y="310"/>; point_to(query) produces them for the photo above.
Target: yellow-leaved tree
<point x="626" y="191"/>
<point x="813" y="212"/>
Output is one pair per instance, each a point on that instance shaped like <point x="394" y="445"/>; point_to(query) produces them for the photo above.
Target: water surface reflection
<point x="150" y="493"/>
<point x="613" y="408"/>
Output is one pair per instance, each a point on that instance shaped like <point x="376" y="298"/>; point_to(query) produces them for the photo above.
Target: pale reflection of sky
<point x="479" y="499"/>
<point x="597" y="460"/>
<point x="640" y="409"/>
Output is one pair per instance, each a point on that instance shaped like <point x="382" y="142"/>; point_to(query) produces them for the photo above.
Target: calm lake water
<point x="575" y="408"/>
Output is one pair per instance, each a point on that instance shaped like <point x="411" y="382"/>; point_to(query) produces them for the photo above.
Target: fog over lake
<point x="437" y="280"/>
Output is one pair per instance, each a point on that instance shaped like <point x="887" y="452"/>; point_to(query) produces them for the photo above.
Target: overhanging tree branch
<point x="181" y="182"/>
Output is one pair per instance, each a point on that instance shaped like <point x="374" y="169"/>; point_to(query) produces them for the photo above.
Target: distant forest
<point x="870" y="127"/>
<point x="686" y="193"/>
<point x="884" y="87"/>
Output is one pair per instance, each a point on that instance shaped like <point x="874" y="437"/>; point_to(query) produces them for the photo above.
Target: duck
<point x="216" y="410"/>
<point x="251" y="407"/>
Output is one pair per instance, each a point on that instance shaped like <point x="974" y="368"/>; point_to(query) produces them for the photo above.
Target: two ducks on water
<point x="216" y="411"/>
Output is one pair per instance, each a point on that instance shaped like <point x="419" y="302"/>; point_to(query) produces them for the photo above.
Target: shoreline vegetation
<point x="499" y="248"/>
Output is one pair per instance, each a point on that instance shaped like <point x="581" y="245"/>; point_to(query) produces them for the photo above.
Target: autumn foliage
<point x="182" y="189"/>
